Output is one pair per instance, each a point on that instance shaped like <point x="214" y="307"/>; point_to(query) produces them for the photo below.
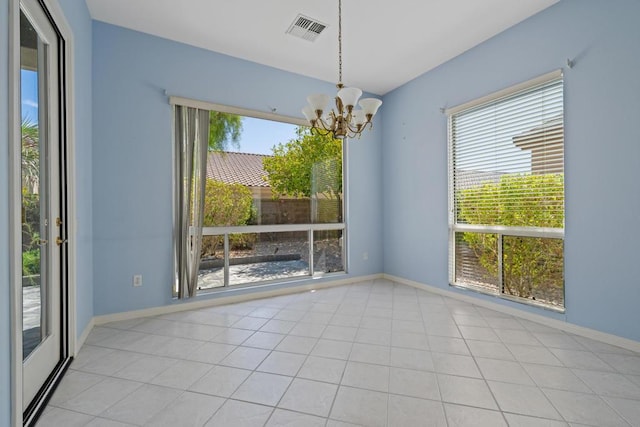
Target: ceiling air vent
<point x="306" y="28"/>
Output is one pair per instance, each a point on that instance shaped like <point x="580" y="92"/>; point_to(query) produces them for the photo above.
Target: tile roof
<point x="236" y="168"/>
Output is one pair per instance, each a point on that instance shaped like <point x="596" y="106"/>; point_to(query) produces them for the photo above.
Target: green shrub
<point x="30" y="220"/>
<point x="31" y="262"/>
<point x="531" y="266"/>
<point x="227" y="205"/>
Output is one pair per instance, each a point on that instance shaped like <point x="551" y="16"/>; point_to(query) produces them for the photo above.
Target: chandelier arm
<point x="321" y="131"/>
<point x="358" y="131"/>
<point x="333" y="117"/>
<point x="321" y="125"/>
<point x="353" y="135"/>
<point x="354" y="129"/>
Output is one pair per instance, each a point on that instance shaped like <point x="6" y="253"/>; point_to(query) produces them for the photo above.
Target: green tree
<point x="30" y="155"/>
<point x="30" y="170"/>
<point x="306" y="165"/>
<point x="224" y="131"/>
<point x="226" y="205"/>
<point x="531" y="266"/>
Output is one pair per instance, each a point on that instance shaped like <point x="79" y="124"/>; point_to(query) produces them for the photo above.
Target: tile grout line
<point x="398" y="297"/>
<point x="444" y="411"/>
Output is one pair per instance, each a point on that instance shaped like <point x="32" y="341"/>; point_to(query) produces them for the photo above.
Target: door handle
<point x="60" y="241"/>
<point x="42" y="242"/>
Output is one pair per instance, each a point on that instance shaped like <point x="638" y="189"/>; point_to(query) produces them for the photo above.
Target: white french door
<point x="42" y="199"/>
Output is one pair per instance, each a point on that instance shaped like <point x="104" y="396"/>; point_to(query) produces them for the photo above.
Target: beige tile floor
<point x="372" y="353"/>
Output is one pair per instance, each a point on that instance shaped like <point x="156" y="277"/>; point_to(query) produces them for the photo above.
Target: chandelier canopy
<point x="344" y="120"/>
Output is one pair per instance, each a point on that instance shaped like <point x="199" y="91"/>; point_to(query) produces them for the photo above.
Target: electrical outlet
<point x="137" y="280"/>
<point x="365" y="256"/>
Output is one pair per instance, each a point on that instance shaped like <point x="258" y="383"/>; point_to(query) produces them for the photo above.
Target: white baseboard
<point x="203" y="303"/>
<point x="554" y="323"/>
<point x="166" y="309"/>
<point x="83" y="337"/>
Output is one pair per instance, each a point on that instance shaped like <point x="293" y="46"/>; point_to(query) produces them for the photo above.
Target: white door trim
<point x="15" y="237"/>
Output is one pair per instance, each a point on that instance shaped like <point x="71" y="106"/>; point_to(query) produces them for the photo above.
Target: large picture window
<point x="271" y="202"/>
<point x="506" y="192"/>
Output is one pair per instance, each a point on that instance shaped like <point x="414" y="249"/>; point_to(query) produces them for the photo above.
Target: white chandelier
<point x="344" y="121"/>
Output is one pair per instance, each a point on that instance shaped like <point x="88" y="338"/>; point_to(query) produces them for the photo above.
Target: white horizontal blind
<point x="507" y="157"/>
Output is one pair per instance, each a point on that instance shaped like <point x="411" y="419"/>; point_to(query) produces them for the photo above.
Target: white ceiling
<point x="385" y="43"/>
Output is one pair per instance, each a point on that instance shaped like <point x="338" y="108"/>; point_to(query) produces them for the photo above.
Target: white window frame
<point x="309" y="228"/>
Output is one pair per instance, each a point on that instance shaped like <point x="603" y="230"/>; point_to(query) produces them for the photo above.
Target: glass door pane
<point x="34" y="188"/>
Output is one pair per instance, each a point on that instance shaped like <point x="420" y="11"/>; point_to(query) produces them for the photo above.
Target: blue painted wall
<point x="602" y="154"/>
<point x="132" y="156"/>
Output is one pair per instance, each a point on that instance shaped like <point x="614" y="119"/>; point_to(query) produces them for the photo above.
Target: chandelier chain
<point x="344" y="121"/>
<point x="339" y="41"/>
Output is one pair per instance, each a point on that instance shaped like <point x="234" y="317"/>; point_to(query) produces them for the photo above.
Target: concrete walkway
<point x="251" y="273"/>
<point x="30" y="307"/>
